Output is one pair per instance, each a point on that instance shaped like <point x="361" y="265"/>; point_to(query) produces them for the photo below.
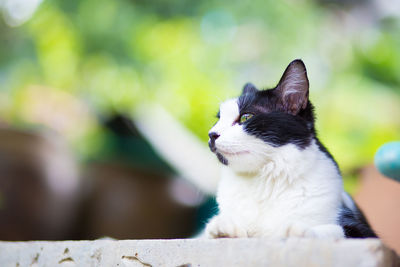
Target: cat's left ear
<point x="292" y="88"/>
<point x="249" y="88"/>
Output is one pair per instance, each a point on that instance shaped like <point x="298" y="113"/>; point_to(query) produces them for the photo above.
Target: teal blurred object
<point x="387" y="160"/>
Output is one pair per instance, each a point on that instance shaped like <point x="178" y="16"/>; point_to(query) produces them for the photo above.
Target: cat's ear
<point x="249" y="88"/>
<point x="292" y="89"/>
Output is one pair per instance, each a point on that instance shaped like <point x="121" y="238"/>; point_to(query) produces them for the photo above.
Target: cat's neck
<point x="289" y="164"/>
<point x="288" y="168"/>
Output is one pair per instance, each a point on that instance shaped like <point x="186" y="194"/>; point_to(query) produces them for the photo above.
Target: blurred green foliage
<point x="75" y="62"/>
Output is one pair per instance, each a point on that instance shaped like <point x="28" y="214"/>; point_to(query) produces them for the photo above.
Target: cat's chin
<point x="229" y="158"/>
<point x="222" y="159"/>
<point x="240" y="162"/>
<point x="244" y="169"/>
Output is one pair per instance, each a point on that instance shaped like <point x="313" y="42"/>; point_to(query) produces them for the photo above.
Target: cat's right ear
<point x="292" y="89"/>
<point x="249" y="88"/>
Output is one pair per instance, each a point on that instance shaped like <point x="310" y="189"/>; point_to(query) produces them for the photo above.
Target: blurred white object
<point x="16" y="12"/>
<point x="179" y="147"/>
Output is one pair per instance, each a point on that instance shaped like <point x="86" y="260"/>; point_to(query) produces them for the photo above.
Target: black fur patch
<point x="275" y="126"/>
<point x="272" y="124"/>
<point x="354" y="223"/>
<point x="222" y="159"/>
<point x="278" y="129"/>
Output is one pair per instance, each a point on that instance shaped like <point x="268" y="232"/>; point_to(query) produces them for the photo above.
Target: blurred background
<point x="82" y="153"/>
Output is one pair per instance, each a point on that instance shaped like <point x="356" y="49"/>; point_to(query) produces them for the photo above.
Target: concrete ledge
<point x="198" y="252"/>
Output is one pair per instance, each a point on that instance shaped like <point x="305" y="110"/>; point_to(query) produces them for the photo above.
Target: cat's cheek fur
<point x="244" y="153"/>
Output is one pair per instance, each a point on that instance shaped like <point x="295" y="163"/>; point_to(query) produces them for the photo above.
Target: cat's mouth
<point x="222" y="154"/>
<point x="233" y="153"/>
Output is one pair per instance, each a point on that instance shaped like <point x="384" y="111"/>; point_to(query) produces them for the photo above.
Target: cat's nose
<point x="213" y="136"/>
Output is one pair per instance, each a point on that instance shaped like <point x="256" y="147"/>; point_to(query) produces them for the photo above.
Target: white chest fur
<point x="298" y="192"/>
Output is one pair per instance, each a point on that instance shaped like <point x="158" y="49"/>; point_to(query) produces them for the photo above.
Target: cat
<point x="278" y="180"/>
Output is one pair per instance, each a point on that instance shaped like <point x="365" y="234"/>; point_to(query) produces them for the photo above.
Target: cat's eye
<point x="245" y="117"/>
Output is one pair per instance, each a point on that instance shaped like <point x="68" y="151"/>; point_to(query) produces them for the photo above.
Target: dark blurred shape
<point x="129" y="203"/>
<point x="344" y="3"/>
<point x="124" y="143"/>
<point x="39" y="187"/>
<point x="128" y="191"/>
<point x="131" y="190"/>
<point x="122" y="125"/>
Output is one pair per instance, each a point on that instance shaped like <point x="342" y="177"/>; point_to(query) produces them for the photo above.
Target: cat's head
<point x="253" y="127"/>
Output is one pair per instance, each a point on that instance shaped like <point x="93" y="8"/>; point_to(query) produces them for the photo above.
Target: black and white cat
<point x="278" y="180"/>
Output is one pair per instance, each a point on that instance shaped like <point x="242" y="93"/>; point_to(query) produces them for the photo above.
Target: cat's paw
<point x="220" y="227"/>
<point x="330" y="231"/>
<point x="327" y="231"/>
<point x="295" y="230"/>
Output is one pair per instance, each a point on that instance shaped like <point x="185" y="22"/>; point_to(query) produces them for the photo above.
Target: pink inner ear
<point x="295" y="103"/>
<point x="293" y="87"/>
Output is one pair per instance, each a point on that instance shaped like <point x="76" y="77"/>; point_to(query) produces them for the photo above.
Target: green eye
<point x="245" y="117"/>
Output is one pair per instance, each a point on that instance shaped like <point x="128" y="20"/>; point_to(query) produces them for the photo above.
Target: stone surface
<point x="198" y="252"/>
